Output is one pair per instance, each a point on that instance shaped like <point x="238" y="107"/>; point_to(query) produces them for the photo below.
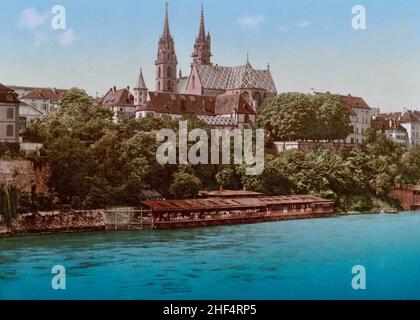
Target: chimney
<point x="115" y="88"/>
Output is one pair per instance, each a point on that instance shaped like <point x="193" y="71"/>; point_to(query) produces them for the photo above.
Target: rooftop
<point x="229" y="193"/>
<point x="240" y="203"/>
<point x="7" y="95"/>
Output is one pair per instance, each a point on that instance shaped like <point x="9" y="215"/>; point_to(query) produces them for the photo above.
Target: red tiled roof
<point x="386" y="123"/>
<point x="45" y="94"/>
<point x="121" y="97"/>
<point x="353" y="102"/>
<point x="166" y="102"/>
<point x="403" y="117"/>
<point x="7" y="95"/>
<point x="229" y="193"/>
<point x="212" y="204"/>
<point x="350" y="101"/>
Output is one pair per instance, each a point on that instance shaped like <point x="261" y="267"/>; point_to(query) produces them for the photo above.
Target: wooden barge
<point x="169" y="214"/>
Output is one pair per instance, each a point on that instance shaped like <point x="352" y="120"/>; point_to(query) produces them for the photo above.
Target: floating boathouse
<point x="168" y="214"/>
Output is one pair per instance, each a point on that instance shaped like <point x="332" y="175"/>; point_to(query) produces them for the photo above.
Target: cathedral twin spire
<point x="202" y="46"/>
<point x="166" y="62"/>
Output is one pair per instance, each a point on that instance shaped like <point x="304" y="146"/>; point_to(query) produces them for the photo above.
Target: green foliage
<point x="298" y="116"/>
<point x="96" y="163"/>
<point x="9" y="199"/>
<point x="185" y="185"/>
<point x="411" y="166"/>
<point x="9" y="150"/>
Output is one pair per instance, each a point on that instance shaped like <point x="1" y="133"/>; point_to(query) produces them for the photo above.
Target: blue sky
<point x="308" y="43"/>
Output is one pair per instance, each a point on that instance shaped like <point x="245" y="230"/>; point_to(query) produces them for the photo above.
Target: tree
<point x="411" y="166"/>
<point x="297" y="116"/>
<point x="184" y="184"/>
<point x="9" y="202"/>
<point x="288" y="117"/>
<point x="333" y="118"/>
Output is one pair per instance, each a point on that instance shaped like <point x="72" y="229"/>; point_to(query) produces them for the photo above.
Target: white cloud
<point x="31" y="19"/>
<point x="251" y="21"/>
<point x="304" y="24"/>
<point x="68" y="37"/>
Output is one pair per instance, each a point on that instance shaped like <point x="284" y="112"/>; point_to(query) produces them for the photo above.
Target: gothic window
<point x="169" y="72"/>
<point x="193" y="82"/>
<point x="257" y="99"/>
<point x="158" y="85"/>
<point x="9" y="130"/>
<point x="169" y="86"/>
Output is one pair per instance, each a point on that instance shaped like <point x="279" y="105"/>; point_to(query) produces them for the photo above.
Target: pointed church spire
<point x="202" y="32"/>
<point x="248" y="64"/>
<point x="166" y="33"/>
<point x="141" y="84"/>
<point x="202" y="46"/>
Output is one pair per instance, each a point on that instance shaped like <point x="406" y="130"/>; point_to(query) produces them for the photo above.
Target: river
<point x="308" y="259"/>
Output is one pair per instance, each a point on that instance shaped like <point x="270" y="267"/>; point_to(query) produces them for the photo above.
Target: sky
<point x="308" y="43"/>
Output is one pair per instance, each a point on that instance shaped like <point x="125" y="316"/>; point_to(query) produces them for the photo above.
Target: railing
<point x="128" y="219"/>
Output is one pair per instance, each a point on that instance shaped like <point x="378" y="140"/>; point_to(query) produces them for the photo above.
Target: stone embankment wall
<point x="55" y="222"/>
<point x="23" y="174"/>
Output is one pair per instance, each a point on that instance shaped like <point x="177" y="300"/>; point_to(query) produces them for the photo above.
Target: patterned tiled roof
<point x="229" y="78"/>
<point x="181" y="84"/>
<point x="217" y="120"/>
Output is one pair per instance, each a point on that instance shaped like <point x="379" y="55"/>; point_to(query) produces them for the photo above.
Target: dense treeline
<point x="97" y="163"/>
<point x="299" y="116"/>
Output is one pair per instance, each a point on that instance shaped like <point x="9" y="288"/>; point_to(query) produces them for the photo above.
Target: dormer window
<point x="9" y="97"/>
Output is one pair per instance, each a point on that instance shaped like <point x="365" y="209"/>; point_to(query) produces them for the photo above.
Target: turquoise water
<point x="310" y="259"/>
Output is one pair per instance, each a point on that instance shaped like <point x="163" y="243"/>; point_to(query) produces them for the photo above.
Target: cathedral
<point x="221" y="96"/>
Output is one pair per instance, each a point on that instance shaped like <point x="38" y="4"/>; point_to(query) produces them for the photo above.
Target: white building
<point x="410" y="121"/>
<point x="27" y="115"/>
<point x="391" y="128"/>
<point x="44" y="100"/>
<point x="120" y="102"/>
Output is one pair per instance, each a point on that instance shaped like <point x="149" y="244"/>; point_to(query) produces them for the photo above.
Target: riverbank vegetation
<point x="96" y="163"/>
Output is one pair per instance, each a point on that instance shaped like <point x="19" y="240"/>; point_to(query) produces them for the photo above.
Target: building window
<point x="10" y="113"/>
<point x="169" y="72"/>
<point x="22" y="121"/>
<point x="10" y="130"/>
<point x="193" y="82"/>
